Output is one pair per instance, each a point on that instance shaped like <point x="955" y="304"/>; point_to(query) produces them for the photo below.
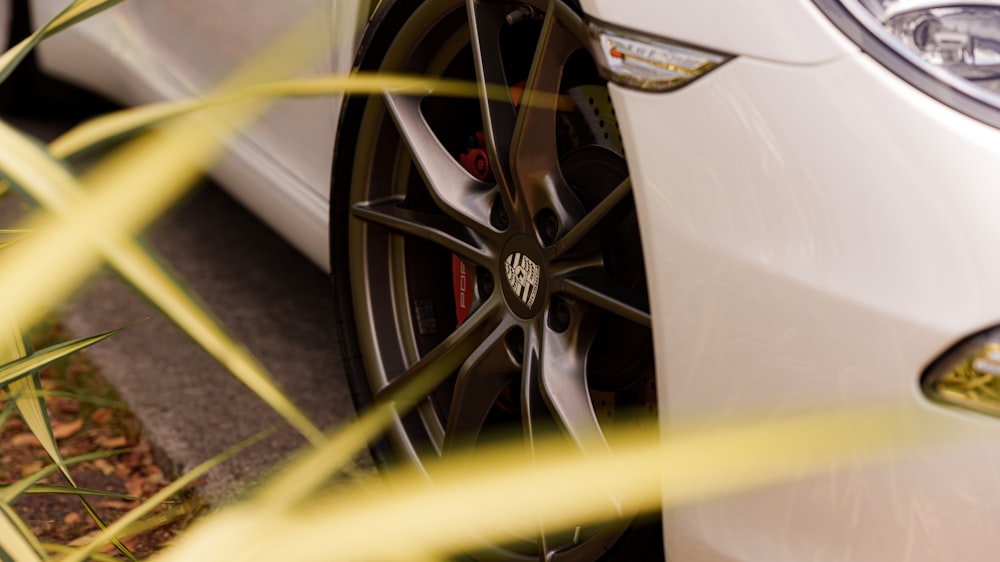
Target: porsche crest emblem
<point x="523" y="275"/>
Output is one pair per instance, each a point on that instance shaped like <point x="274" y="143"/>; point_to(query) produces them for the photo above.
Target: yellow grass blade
<point x="63" y="549"/>
<point x="78" y="11"/>
<point x="75" y="12"/>
<point x="300" y="480"/>
<point x="62" y="252"/>
<point x="17" y="542"/>
<point x="113" y="126"/>
<point x="131" y="518"/>
<point x="165" y="162"/>
<point x="31" y="406"/>
<point x="40" y="359"/>
<point x="491" y="494"/>
<point x="154" y="280"/>
<point x="11" y="236"/>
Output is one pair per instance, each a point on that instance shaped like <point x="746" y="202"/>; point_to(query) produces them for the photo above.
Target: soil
<point x="87" y="416"/>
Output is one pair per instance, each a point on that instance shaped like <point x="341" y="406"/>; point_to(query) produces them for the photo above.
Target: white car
<point x="815" y="185"/>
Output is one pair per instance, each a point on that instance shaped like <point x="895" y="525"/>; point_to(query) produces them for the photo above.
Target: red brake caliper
<point x="460" y="280"/>
<point x="476" y="161"/>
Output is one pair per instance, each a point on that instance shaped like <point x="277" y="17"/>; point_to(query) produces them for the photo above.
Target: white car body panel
<point x="816" y="232"/>
<point x="137" y="53"/>
<point x="818" y="245"/>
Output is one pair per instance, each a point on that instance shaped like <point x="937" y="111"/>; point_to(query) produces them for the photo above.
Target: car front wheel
<point x="499" y="235"/>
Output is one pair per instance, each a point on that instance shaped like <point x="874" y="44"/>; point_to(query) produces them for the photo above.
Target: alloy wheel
<point x="498" y="238"/>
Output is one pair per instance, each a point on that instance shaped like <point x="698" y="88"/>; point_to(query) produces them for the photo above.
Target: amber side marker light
<point x="636" y="60"/>
<point x="968" y="375"/>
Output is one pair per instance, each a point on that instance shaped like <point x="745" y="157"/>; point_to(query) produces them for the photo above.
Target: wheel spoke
<point x="485" y="22"/>
<point x="534" y="414"/>
<point x="563" y="384"/>
<point x="533" y="409"/>
<point x="455" y="191"/>
<point x="440" y="230"/>
<point x="563" y="381"/>
<point x="600" y="290"/>
<point x="538" y="181"/>
<point x="478" y="385"/>
<point x="594" y="230"/>
<point x="417" y="382"/>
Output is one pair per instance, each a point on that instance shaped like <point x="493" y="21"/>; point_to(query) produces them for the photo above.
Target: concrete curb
<point x="268" y="295"/>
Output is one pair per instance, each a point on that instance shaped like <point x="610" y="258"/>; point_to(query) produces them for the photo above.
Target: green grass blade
<point x="13" y="491"/>
<point x="69" y="490"/>
<point x="31" y="407"/>
<point x="45" y="357"/>
<point x="9" y="408"/>
<point x="112" y="539"/>
<point x="122" y="524"/>
<point x="84" y="398"/>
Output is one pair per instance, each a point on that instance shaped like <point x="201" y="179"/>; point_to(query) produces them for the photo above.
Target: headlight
<point x="951" y="50"/>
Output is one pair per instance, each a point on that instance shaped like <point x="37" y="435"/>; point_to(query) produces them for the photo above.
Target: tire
<point x="537" y="295"/>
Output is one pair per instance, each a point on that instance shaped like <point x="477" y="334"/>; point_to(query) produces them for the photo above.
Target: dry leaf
<point x="104" y="466"/>
<point x="102" y="416"/>
<point x="85" y="539"/>
<point x="134" y="487"/>
<point x="23" y="440"/>
<point x="116" y="442"/>
<point x="72" y="518"/>
<point x="123" y="505"/>
<point x="155" y="476"/>
<point x="63" y="430"/>
<point x="65" y="405"/>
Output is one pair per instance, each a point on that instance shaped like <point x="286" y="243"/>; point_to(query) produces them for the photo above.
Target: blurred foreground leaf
<point x="126" y="192"/>
<point x="494" y="494"/>
<point x="17" y="542"/>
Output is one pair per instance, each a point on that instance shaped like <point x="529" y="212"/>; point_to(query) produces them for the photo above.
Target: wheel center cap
<point x="524" y="273"/>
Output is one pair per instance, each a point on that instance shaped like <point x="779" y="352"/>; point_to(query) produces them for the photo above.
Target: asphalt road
<point x="269" y="296"/>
